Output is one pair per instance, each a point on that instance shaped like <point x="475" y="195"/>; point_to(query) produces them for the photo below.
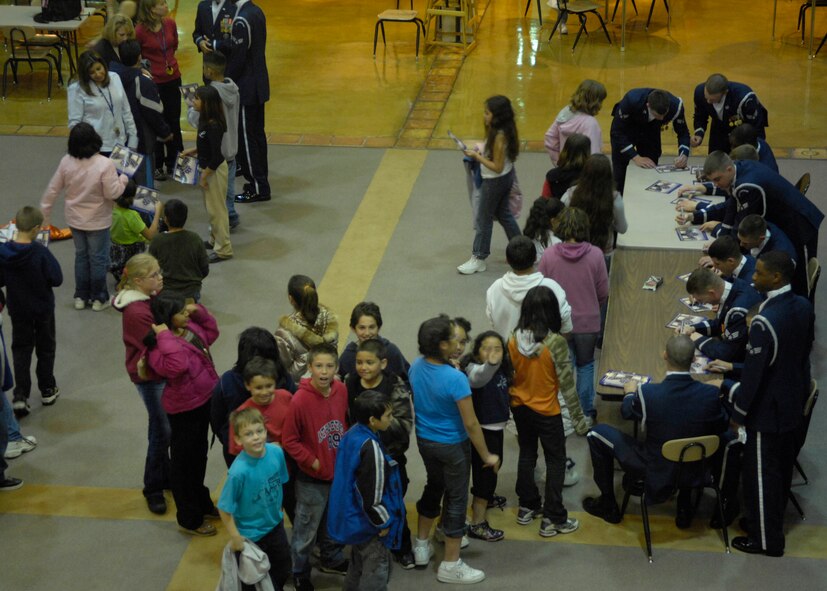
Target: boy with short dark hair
<point x="372" y="374"/>
<point x="366" y="322"/>
<point x="250" y="503"/>
<point x="366" y="499"/>
<point x="29" y="272"/>
<point x="180" y="253"/>
<point x="315" y="424"/>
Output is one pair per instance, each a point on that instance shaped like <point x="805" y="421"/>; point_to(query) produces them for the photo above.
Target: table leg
<point x="812" y="27"/>
<point x="623" y="26"/>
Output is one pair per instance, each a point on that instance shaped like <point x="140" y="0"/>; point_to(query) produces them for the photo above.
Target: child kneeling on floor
<point x="366" y="502"/>
<point x="251" y="501"/>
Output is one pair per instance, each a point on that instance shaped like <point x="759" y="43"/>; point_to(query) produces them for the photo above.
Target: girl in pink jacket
<point x="178" y="350"/>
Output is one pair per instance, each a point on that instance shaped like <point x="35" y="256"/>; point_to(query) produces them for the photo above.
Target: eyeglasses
<point x="157" y="274"/>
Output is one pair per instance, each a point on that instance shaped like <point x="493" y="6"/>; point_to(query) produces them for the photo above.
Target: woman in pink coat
<point x="578" y="117"/>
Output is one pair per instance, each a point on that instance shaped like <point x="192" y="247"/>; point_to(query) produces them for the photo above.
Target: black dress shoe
<point x="744" y="544"/>
<point x="157" y="504"/>
<point x="602" y="509"/>
<point x="249" y="197"/>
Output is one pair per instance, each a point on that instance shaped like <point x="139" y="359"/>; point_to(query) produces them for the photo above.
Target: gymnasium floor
<point x="387" y="222"/>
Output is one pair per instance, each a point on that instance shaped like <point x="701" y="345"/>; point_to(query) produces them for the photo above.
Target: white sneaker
<point x="80" y="304"/>
<point x="564" y="30"/>
<point x="422" y="554"/>
<point x="17" y="448"/>
<point x="471" y="266"/>
<point x="572" y="475"/>
<point x="98" y="306"/>
<point x="439" y="536"/>
<point x="459" y="574"/>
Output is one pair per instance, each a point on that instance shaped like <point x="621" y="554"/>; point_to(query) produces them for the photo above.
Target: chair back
<point x="809" y="404"/>
<point x="813" y="273"/>
<point x="690" y="449"/>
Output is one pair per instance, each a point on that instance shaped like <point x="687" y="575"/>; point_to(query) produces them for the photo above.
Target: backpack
<point x="58" y="10"/>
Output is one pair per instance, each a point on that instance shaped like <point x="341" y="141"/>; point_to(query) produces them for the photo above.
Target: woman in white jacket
<point x="98" y="98"/>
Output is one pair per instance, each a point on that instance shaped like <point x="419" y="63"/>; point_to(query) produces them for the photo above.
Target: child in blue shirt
<point x="366" y="506"/>
<point x="251" y="501"/>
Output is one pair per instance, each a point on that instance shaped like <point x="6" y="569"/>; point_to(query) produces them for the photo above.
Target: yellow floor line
<point x="362" y="248"/>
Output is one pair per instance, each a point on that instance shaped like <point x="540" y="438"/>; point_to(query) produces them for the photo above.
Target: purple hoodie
<point x="580" y="270"/>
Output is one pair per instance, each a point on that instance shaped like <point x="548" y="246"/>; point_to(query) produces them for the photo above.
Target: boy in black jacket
<point x="29" y="272"/>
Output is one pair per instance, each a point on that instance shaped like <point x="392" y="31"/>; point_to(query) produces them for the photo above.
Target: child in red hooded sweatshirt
<point x="315" y="424"/>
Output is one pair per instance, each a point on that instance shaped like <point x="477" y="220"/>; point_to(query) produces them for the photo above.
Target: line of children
<point x="30" y="273"/>
<point x="373" y="372"/>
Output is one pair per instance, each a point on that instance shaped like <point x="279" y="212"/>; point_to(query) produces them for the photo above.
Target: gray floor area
<point x="95" y="435"/>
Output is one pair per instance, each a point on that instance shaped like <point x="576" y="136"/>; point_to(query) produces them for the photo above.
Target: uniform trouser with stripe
<point x="766" y="478"/>
<point x="252" y="148"/>
<point x="607" y="443"/>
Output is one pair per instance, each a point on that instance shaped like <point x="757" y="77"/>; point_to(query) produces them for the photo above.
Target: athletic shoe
<point x="98" y="306"/>
<point x="214" y="257"/>
<point x="439" y="536"/>
<point x="17" y="448"/>
<point x="336" y="569"/>
<point x="459" y="574"/>
<point x="204" y="530"/>
<point x="526" y="515"/>
<point x="21" y="407"/>
<point x="50" y="396"/>
<point x="208" y="245"/>
<point x="549" y="529"/>
<point x="471" y="266"/>
<point x="483" y="531"/>
<point x="405" y="560"/>
<point x="157" y="503"/>
<point x="80" y="304"/>
<point x="572" y="475"/>
<point x="10" y="484"/>
<point x="497" y="502"/>
<point x="564" y="30"/>
<point x="422" y="554"/>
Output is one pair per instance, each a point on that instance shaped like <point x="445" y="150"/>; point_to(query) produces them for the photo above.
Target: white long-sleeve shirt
<point x="107" y="110"/>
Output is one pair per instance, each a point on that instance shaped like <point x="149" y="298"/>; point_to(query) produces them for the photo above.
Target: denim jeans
<point x="447" y="469"/>
<point x="311" y="513"/>
<point x="91" y="264"/>
<point x="494" y="204"/>
<point x="12" y="426"/>
<point x="4" y="430"/>
<point x="581" y="347"/>
<point x="370" y="567"/>
<point x="156" y="468"/>
<point x="548" y="430"/>
<point x="233" y="214"/>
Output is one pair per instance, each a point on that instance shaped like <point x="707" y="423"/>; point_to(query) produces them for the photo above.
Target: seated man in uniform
<point x="677" y="407"/>
<point x="725" y="336"/>
<point x="747" y="135"/>
<point x="724" y="255"/>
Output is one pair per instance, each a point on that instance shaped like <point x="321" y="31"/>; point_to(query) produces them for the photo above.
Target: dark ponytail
<point x="303" y="291"/>
<point x="163" y="308"/>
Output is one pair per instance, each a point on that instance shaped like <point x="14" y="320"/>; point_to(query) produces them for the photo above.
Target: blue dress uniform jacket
<point x="633" y="134"/>
<point x="779" y="241"/>
<point x="216" y="30"/>
<point x="676" y="408"/>
<point x="725" y="336"/>
<point x="741" y="105"/>
<point x="356" y="518"/>
<point x="746" y="271"/>
<point x="775" y="380"/>
<point x="757" y="189"/>
<point x="246" y="60"/>
<point x="765" y="155"/>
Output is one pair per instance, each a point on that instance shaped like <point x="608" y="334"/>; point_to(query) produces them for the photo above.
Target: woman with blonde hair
<point x="579" y="116"/>
<point x="140" y="282"/>
<point x="310" y="324"/>
<point x="118" y="29"/>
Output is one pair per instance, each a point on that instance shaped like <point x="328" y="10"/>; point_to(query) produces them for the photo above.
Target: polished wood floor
<point x="328" y="89"/>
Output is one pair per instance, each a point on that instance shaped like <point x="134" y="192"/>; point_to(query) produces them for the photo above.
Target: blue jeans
<point x="156" y="468"/>
<point x="581" y="347"/>
<point x="447" y="469"/>
<point x="4" y="431"/>
<point x="12" y="426"/>
<point x="91" y="264"/>
<point x="370" y="567"/>
<point x="494" y="204"/>
<point x="231" y="192"/>
<point x="311" y="513"/>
